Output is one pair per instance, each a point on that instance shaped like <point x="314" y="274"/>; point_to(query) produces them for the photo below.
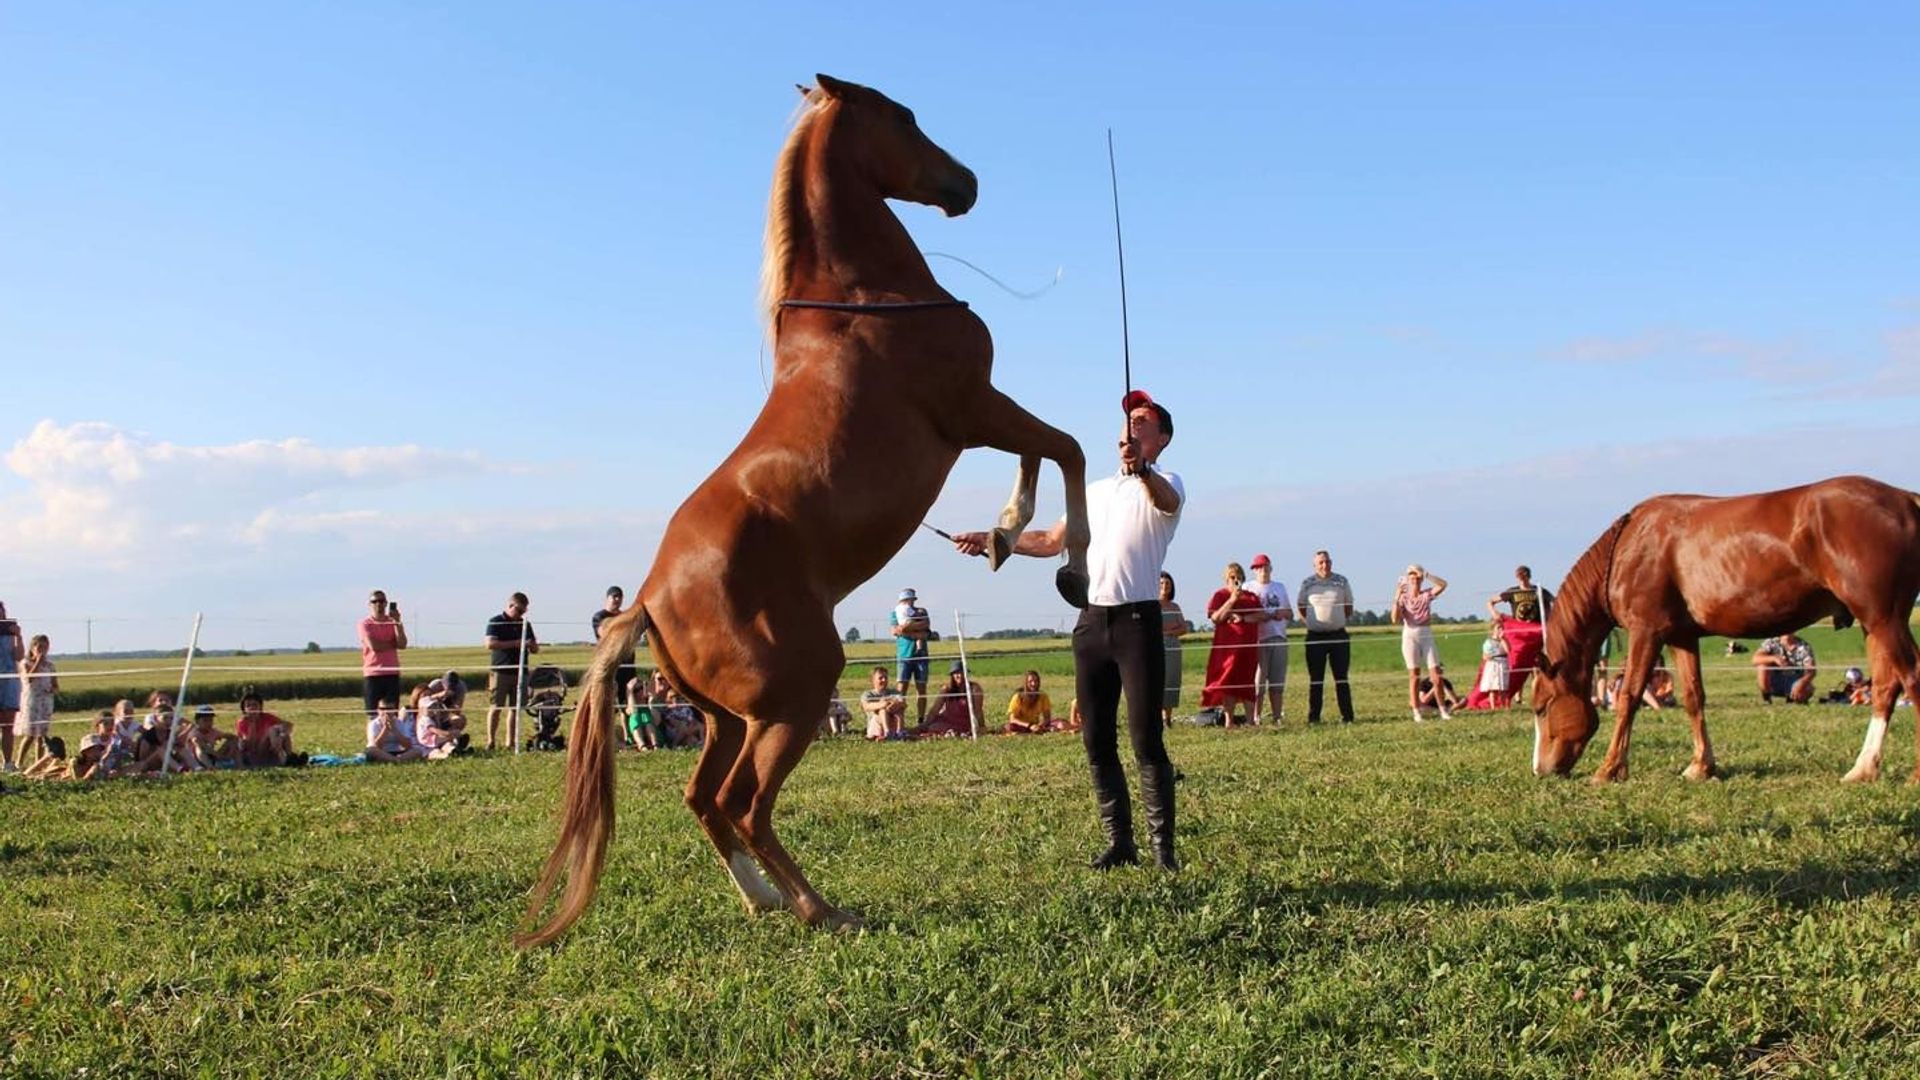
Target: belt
<point x="1130" y="610"/>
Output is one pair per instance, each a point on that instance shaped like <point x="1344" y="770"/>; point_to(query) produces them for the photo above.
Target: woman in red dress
<point x="1234" y="662"/>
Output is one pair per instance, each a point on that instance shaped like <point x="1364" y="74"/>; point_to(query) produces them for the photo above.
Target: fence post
<point x="180" y="699"/>
<point x="966" y="676"/>
<point x="519" y="687"/>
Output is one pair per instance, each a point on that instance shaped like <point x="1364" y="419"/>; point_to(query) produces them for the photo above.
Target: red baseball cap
<point x="1261" y="560"/>
<point x="1135" y="399"/>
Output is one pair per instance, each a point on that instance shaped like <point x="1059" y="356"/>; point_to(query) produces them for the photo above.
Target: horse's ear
<point x="1548" y="668"/>
<point x="805" y="91"/>
<point x="831" y="86"/>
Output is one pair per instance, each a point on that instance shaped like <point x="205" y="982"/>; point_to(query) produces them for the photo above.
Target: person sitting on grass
<point x="1443" y="700"/>
<point x="1854" y="689"/>
<point x="1658" y="694"/>
<point x="1031" y="710"/>
<point x="642" y="727"/>
<point x="207" y="747"/>
<point x="51" y="765"/>
<point x="1784" y="667"/>
<point x="390" y="735"/>
<point x="122" y="735"/>
<point x="440" y="730"/>
<point x="265" y="739"/>
<point x="681" y="725"/>
<point x="838" y="719"/>
<point x="884" y="706"/>
<point x="451" y="689"/>
<point x="150" y="752"/>
<point x="953" y="713"/>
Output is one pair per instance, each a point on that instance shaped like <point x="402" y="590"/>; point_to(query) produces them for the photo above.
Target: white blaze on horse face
<point x="755" y="889"/>
<point x="1539" y="742"/>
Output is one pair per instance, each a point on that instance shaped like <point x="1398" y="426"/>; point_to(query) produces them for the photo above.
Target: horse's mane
<point x="776" y="259"/>
<point x="1581" y="616"/>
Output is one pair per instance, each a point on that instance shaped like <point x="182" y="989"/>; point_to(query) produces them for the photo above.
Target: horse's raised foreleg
<point x="1017" y="513"/>
<point x="1693" y="695"/>
<point x="726" y="735"/>
<point x="1000" y="423"/>
<point x="772" y="749"/>
<point x="1891" y="657"/>
<point x="1642" y="650"/>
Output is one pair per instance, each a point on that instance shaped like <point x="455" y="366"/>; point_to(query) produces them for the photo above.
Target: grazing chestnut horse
<point x="1679" y="567"/>
<point x="881" y="379"/>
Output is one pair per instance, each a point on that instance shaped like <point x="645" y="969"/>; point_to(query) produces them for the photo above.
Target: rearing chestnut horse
<point x="880" y="380"/>
<point x="1679" y="567"/>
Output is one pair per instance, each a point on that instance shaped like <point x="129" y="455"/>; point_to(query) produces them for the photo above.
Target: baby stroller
<point x="546" y="699"/>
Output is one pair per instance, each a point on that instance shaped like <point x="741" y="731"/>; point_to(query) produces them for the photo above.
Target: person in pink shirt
<point x="1413" y="597"/>
<point x="382" y="636"/>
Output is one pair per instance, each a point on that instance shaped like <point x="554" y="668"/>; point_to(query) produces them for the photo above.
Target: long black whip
<point x="1126" y="349"/>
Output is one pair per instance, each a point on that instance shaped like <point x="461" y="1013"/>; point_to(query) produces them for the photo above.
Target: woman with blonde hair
<point x="1413" y="598"/>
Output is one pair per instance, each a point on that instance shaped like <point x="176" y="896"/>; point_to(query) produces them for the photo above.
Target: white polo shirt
<point x="1130" y="538"/>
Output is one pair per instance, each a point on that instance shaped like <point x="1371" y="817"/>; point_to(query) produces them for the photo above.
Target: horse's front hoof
<point x="1860" y="775"/>
<point x="999" y="548"/>
<point x="834" y="920"/>
<point x="1072" y="585"/>
<point x="1698" y="771"/>
<point x="1605" y="776"/>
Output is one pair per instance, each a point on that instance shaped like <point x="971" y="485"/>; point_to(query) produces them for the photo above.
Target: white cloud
<point x="1787" y="363"/>
<point x="98" y="492"/>
<point x="1898" y="374"/>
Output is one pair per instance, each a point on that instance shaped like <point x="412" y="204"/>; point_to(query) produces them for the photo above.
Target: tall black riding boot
<point x="1156" y="794"/>
<point x="1116" y="816"/>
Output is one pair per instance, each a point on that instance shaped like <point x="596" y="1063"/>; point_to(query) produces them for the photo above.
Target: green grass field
<point x="1373" y="900"/>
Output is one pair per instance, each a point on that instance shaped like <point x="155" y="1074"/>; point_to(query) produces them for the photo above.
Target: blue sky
<point x="459" y="299"/>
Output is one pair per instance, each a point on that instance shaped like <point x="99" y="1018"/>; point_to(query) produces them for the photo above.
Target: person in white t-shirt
<point x="1117" y="645"/>
<point x="1270" y="685"/>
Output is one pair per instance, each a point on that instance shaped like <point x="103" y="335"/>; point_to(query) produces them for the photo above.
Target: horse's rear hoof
<point x="1072" y="585"/>
<point x="999" y="548"/>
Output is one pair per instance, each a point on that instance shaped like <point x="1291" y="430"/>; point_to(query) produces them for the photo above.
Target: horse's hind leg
<point x="1642" y="650"/>
<point x="1891" y="656"/>
<point x="773" y="748"/>
<point x="999" y="422"/>
<point x="726" y="735"/>
<point x="1693" y="695"/>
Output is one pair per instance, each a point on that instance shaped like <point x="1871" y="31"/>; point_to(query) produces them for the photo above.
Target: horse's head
<point x="899" y="159"/>
<point x="1564" y="719"/>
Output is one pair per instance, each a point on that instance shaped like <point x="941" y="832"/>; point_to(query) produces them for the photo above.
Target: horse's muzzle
<point x="958" y="192"/>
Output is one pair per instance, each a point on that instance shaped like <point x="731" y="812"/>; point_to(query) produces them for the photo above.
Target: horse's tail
<point x="586" y="821"/>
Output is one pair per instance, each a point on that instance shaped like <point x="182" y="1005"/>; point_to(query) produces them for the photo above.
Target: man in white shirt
<point x="1325" y="602"/>
<point x="1271" y="683"/>
<point x="1117" y="648"/>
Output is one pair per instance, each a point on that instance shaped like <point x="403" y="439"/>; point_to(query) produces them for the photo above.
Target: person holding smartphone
<point x="382" y="636"/>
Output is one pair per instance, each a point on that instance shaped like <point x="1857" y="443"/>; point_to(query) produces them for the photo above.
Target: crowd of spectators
<point x="1246" y="673"/>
